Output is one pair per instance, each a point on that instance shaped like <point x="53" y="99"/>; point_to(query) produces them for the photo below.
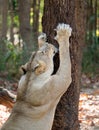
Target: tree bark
<point x="25" y="28"/>
<point x="4" y="18"/>
<point x="1" y="3"/>
<point x="70" y="12"/>
<point x="4" y="12"/>
<point x="12" y="22"/>
<point x="3" y="28"/>
<point x="36" y="10"/>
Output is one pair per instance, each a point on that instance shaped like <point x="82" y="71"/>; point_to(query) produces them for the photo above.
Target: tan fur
<point x="39" y="91"/>
<point x="41" y="68"/>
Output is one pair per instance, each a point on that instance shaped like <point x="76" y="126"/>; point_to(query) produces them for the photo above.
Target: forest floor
<point x="88" y="102"/>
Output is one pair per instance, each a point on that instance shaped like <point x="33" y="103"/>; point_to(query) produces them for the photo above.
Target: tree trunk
<point x="70" y="12"/>
<point x="92" y="8"/>
<point x="3" y="28"/>
<point x="36" y="10"/>
<point x="95" y="13"/>
<point x="25" y="28"/>
<point x="4" y="18"/>
<point x="1" y="2"/>
<point x="12" y="22"/>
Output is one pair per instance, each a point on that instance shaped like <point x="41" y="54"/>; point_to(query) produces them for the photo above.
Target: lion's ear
<point x="41" y="68"/>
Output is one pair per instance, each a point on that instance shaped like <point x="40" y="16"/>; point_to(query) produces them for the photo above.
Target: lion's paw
<point x="63" y="30"/>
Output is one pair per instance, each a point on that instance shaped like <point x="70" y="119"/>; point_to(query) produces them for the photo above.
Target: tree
<point x="92" y="19"/>
<point x="36" y="10"/>
<point x="71" y="12"/>
<point x="29" y="33"/>
<point x="25" y="28"/>
<point x="4" y="12"/>
<point x="3" y="30"/>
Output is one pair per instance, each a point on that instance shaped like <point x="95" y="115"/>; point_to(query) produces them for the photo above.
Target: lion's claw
<point x="63" y="30"/>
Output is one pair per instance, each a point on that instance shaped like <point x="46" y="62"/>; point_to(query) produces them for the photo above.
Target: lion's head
<point x="40" y="61"/>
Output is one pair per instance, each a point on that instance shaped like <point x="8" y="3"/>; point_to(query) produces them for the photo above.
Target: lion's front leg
<point x="64" y="72"/>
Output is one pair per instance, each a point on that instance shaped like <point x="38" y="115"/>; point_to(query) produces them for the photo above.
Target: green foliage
<point x="16" y="20"/>
<point x="41" y="6"/>
<point x="40" y="14"/>
<point x="10" y="59"/>
<point x="2" y="54"/>
<point x="13" y="53"/>
<point x="15" y="4"/>
<point x="90" y="62"/>
<point x="13" y="58"/>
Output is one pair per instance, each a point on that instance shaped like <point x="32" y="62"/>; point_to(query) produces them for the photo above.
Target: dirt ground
<point x="88" y="102"/>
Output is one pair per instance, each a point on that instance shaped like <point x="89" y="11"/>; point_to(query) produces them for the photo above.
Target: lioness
<point x="39" y="91"/>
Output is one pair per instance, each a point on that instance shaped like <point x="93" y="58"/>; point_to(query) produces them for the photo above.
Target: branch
<point x="7" y="98"/>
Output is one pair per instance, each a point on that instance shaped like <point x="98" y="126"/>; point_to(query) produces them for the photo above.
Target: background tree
<point x="91" y="52"/>
<point x="36" y="11"/>
<point x="3" y="30"/>
<point x="29" y="30"/>
<point x="4" y="17"/>
<point x="24" y="20"/>
<point x="70" y="12"/>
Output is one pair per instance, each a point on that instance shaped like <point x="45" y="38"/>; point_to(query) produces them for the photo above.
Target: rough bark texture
<point x="36" y="10"/>
<point x="25" y="28"/>
<point x="4" y="18"/>
<point x="3" y="28"/>
<point x="3" y="13"/>
<point x="70" y="12"/>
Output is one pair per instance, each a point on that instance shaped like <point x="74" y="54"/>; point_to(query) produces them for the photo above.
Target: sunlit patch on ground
<point x="4" y="114"/>
<point x="89" y="110"/>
